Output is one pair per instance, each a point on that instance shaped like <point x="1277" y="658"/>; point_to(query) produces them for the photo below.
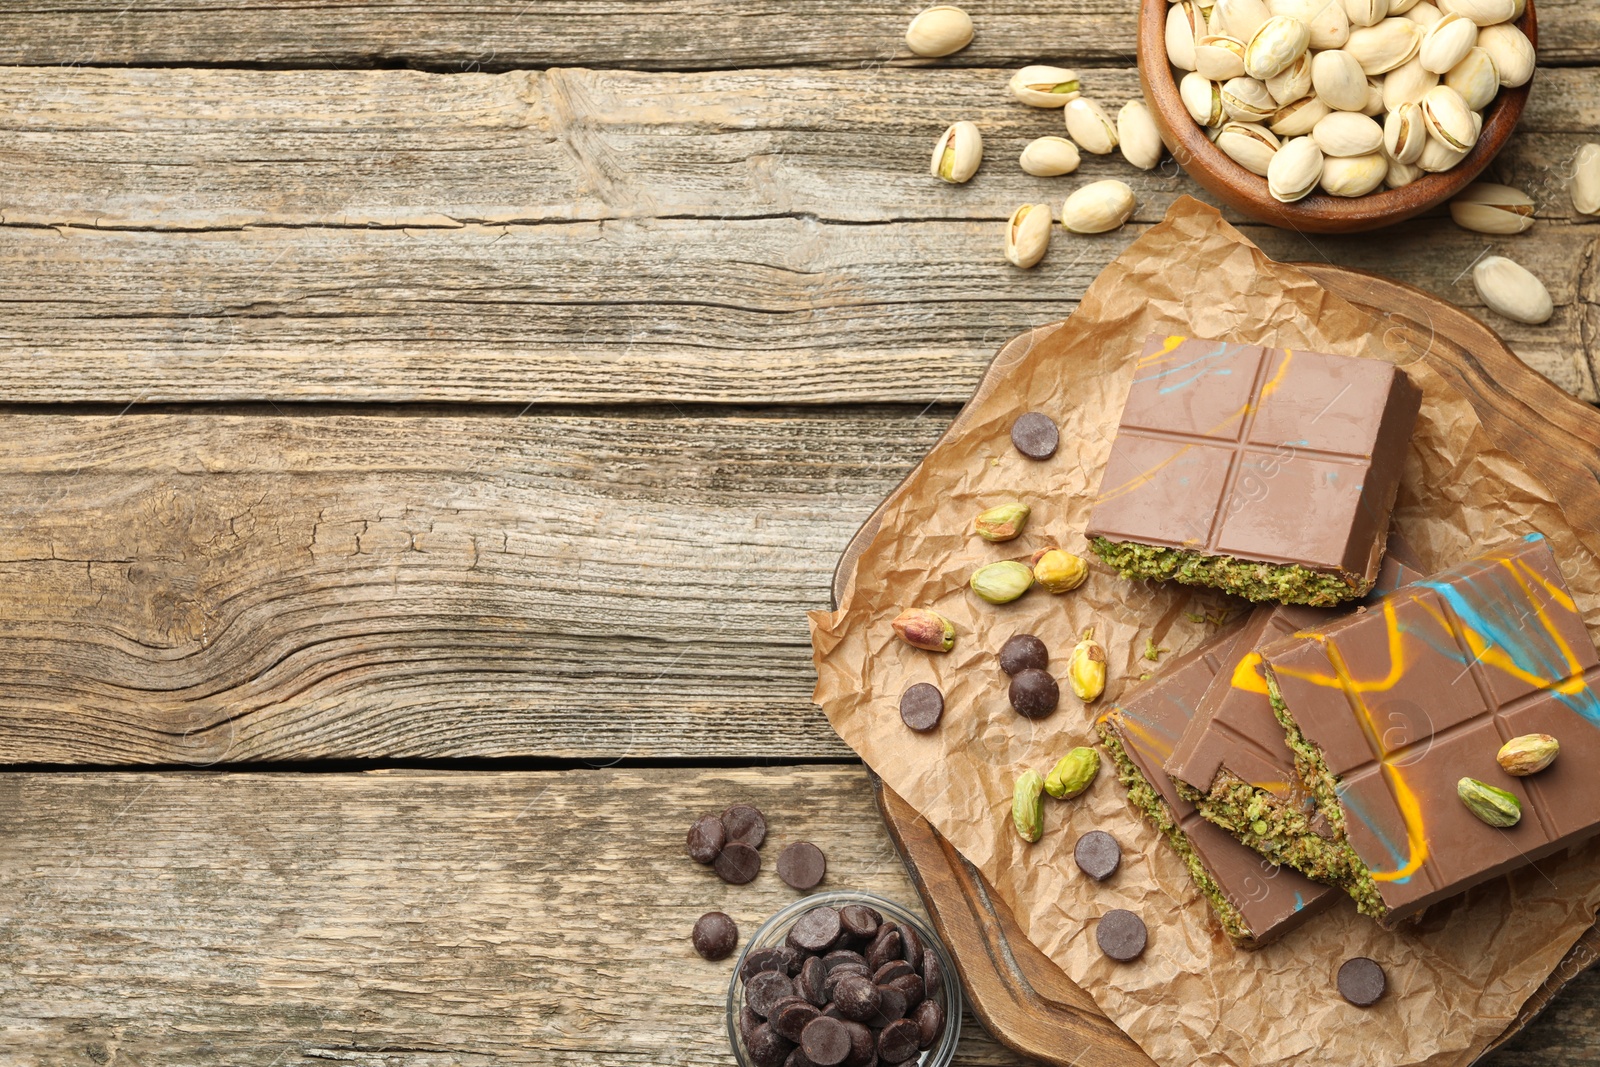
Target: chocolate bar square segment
<point x="1267" y="473"/>
<point x="1255" y="900"/>
<point x="1431" y="680"/>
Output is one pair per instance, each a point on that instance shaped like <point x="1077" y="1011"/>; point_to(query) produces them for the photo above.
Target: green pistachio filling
<point x="1285" y="583"/>
<point x="1144" y="797"/>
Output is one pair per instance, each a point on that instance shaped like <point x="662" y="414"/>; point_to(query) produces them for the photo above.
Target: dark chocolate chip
<point x="737" y="864"/>
<point x="802" y="865"/>
<point x="766" y="989"/>
<point x="911" y="947"/>
<point x="1023" y="652"/>
<point x="1035" y="435"/>
<point x="748" y="1021"/>
<point x="844" y="955"/>
<point x="745" y="825"/>
<point x="921" y="706"/>
<point x="813" y="973"/>
<point x="826" y="1041"/>
<point x="891" y="1006"/>
<point x="910" y="987"/>
<point x="860" y="921"/>
<point x="791" y="959"/>
<point x="932" y="975"/>
<point x="1034" y="693"/>
<point x="898" y="1042"/>
<point x="863" y="1046"/>
<point x="1361" y="981"/>
<point x="816" y="930"/>
<point x="767" y="1047"/>
<point x="929" y="1017"/>
<point x="1097" y="854"/>
<point x="830" y="984"/>
<point x="856" y="997"/>
<point x="793" y="1016"/>
<point x="798" y="1058"/>
<point x="784" y="1002"/>
<point x="890" y="971"/>
<point x="884" y="948"/>
<point x="714" y="935"/>
<point x="762" y="959"/>
<point x="706" y="838"/>
<point x="831" y="1012"/>
<point x="1121" y="934"/>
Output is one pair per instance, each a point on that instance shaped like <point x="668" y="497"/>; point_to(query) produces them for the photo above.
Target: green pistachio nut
<point x="1494" y="806"/>
<point x="1073" y="774"/>
<point x="1003" y="582"/>
<point x="1027" y="807"/>
<point x="922" y="628"/>
<point x="1002" y="523"/>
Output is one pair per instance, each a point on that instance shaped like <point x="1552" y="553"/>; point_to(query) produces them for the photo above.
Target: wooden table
<point x="425" y="428"/>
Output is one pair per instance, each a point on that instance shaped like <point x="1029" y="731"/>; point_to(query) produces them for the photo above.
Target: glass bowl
<point x="772" y="932"/>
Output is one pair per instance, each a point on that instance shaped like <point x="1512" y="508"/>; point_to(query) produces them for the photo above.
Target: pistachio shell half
<point x="1511" y="290"/>
<point x="1046" y="157"/>
<point x="1248" y="144"/>
<point x="1137" y="136"/>
<point x="1098" y="207"/>
<point x="1586" y="180"/>
<point x="957" y="153"/>
<point x="1027" y="235"/>
<point x="1088" y="124"/>
<point x="1219" y="57"/>
<point x="1348" y="133"/>
<point x="1404" y="135"/>
<point x="1040" y="86"/>
<point x="1280" y="41"/>
<point x="1337" y="77"/>
<point x="1485" y="207"/>
<point x="1381" y="48"/>
<point x="1295" y="170"/>
<point x="939" y="31"/>
<point x="1447" y="43"/>
<point x="1353" y="175"/>
<point x="1511" y="51"/>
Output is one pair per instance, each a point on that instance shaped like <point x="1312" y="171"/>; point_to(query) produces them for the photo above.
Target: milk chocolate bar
<point x="1255" y="899"/>
<point x="1387" y="709"/>
<point x="1268" y="473"/>
<point x="1233" y="762"/>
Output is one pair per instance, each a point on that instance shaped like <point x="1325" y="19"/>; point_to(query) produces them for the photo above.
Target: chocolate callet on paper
<point x="1389" y="708"/>
<point x="1268" y="473"/>
<point x="1254" y="899"/>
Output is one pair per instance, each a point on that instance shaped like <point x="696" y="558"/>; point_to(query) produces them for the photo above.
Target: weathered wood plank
<point x="756" y="310"/>
<point x="500" y="34"/>
<point x="408" y="920"/>
<point x="422" y="919"/>
<point x="734" y="242"/>
<point x="194" y="588"/>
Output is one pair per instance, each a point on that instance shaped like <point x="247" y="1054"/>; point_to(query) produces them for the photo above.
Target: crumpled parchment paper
<point x="1458" y="978"/>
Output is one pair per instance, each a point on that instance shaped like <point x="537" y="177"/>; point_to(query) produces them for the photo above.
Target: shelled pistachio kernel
<point x="1485" y="207"/>
<point x="939" y="31"/>
<point x="957" y="153"/>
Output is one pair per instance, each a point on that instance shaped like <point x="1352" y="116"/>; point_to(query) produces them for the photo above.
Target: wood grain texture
<point x="199" y="588"/>
<point x="395" y="919"/>
<point x="499" y="34"/>
<point x="566" y="236"/>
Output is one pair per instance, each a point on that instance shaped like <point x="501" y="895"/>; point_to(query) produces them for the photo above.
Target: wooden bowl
<point x="1317" y="213"/>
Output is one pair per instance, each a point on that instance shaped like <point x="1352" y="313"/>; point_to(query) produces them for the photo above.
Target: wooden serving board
<point x="1020" y="996"/>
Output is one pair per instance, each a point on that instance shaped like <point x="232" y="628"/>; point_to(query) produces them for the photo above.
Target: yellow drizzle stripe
<point x="1247" y="675"/>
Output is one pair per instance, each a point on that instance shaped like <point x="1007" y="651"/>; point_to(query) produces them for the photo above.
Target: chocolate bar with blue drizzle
<point x="1268" y="473"/>
<point x="1388" y="708"/>
<point x="1255" y="900"/>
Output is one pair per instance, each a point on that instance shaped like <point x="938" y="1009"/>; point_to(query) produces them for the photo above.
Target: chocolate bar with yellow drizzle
<point x="1388" y="708"/>
<point x="1268" y="473"/>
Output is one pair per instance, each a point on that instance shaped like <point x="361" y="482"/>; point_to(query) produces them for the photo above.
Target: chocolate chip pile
<point x="846" y="987"/>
